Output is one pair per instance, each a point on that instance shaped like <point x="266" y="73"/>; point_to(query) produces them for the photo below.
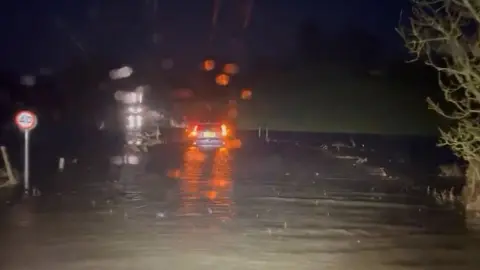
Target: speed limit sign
<point x="26" y="120"/>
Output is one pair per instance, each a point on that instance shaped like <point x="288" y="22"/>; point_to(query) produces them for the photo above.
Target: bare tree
<point x="445" y="35"/>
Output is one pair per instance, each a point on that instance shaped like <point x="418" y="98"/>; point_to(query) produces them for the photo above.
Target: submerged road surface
<point x="266" y="207"/>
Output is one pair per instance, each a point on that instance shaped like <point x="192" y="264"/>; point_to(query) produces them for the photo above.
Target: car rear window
<point x="210" y="127"/>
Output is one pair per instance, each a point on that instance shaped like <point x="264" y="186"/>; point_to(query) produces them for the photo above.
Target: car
<point x="208" y="135"/>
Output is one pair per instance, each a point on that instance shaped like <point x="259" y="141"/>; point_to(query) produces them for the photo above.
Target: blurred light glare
<point x="208" y="65"/>
<point x="131" y="159"/>
<point x="131" y="98"/>
<point x="134" y="109"/>
<point x="134" y="121"/>
<point x="28" y="80"/>
<point x="222" y="79"/>
<point x="130" y="122"/>
<point x="139" y="121"/>
<point x="246" y="94"/>
<point x="121" y="73"/>
<point x="231" y="69"/>
<point x="126" y="159"/>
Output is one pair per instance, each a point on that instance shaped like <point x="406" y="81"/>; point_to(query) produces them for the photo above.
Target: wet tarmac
<point x="259" y="207"/>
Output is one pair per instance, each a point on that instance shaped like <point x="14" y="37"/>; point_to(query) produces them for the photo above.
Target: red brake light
<point x="194" y="131"/>
<point x="224" y="130"/>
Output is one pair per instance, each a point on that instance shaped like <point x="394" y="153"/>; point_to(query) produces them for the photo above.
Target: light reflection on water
<point x="190" y="178"/>
<point x="221" y="185"/>
<point x="206" y="184"/>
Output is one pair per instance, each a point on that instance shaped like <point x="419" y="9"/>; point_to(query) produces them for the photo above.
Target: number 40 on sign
<point x="26" y="120"/>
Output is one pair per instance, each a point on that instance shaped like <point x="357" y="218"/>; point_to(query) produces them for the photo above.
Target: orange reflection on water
<point x="206" y="183"/>
<point x="190" y="180"/>
<point x="220" y="183"/>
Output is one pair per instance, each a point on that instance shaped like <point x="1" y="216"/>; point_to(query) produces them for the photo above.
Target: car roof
<point x="209" y="123"/>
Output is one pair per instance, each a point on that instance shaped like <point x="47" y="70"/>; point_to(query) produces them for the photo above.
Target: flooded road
<point x="265" y="207"/>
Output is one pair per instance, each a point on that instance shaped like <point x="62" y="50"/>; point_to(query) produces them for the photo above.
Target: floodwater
<point x="263" y="207"/>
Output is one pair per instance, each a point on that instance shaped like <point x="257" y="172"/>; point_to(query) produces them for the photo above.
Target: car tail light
<point x="193" y="133"/>
<point x="224" y="130"/>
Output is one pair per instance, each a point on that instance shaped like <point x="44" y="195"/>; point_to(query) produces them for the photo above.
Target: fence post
<point x="61" y="164"/>
<point x="267" y="138"/>
<point x="8" y="167"/>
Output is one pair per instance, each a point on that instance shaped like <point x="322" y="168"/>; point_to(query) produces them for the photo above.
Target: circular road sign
<point x="26" y="120"/>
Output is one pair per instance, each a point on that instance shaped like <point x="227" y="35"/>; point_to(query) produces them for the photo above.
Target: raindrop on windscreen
<point x="231" y="69"/>
<point x="28" y="80"/>
<point x="45" y="71"/>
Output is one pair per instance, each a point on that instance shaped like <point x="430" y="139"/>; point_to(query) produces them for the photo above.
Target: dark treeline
<point x="352" y="76"/>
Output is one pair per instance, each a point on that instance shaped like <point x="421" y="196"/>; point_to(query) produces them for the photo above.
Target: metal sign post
<point x="26" y="161"/>
<point x="26" y="121"/>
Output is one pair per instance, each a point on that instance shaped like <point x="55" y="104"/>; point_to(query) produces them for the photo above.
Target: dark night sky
<point x="43" y="33"/>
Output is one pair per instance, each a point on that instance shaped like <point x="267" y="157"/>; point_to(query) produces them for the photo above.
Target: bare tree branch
<point x="445" y="34"/>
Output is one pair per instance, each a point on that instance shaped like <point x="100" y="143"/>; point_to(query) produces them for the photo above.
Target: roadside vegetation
<point x="445" y="36"/>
